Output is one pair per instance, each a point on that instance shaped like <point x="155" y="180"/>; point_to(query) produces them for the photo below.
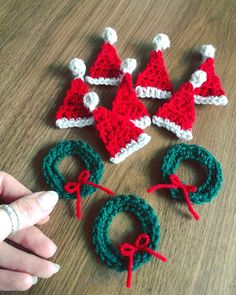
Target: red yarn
<point x="73" y="106"/>
<point x="177" y="184"/>
<point x="212" y="86"/>
<point x="155" y="74"/>
<point x="107" y="64"/>
<point x="141" y="244"/>
<point x="74" y="187"/>
<point x="180" y="108"/>
<point x="126" y="102"/>
<point x="116" y="131"/>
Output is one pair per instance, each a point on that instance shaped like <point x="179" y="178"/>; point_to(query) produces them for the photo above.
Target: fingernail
<point x="57" y="267"/>
<point x="34" y="280"/>
<point x="48" y="200"/>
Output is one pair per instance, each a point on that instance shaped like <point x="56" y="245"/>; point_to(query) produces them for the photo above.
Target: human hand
<point x="19" y="270"/>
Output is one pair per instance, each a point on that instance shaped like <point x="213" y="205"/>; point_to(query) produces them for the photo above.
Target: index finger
<point x="11" y="189"/>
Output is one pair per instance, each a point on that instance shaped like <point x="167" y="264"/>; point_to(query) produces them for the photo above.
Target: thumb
<point x="29" y="209"/>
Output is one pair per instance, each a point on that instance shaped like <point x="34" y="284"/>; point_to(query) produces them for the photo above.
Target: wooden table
<point x="38" y="38"/>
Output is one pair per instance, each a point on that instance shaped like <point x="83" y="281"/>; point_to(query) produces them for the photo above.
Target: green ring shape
<point x="210" y="188"/>
<point x="85" y="153"/>
<point x="148" y="221"/>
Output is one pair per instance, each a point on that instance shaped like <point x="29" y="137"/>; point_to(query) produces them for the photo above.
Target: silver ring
<point x="11" y="212"/>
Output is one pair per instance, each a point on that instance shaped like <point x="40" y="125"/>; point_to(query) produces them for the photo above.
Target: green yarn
<point x="85" y="153"/>
<point x="210" y="188"/>
<point x="148" y="221"/>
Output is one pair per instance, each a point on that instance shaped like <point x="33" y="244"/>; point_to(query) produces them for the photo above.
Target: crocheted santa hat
<point x="178" y="114"/>
<point x="120" y="137"/>
<point x="154" y="81"/>
<point x="211" y="91"/>
<point x="126" y="102"/>
<point x="73" y="113"/>
<point x="106" y="68"/>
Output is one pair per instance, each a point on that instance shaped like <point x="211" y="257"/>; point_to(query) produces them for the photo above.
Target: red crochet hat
<point x="211" y="91"/>
<point x="106" y="68"/>
<point x="73" y="113"/>
<point x="154" y="81"/>
<point x="178" y="114"/>
<point x="120" y="137"/>
<point x="126" y="102"/>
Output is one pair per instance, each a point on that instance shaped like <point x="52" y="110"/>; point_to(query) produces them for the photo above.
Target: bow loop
<point x="127" y="249"/>
<point x="71" y="187"/>
<point x="84" y="177"/>
<point x="142" y="241"/>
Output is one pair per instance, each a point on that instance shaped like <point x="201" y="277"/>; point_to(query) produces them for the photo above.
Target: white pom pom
<point x="109" y="35"/>
<point x="161" y="42"/>
<point x="77" y="67"/>
<point x="91" y="100"/>
<point x="128" y="65"/>
<point x="207" y="51"/>
<point x="198" y="78"/>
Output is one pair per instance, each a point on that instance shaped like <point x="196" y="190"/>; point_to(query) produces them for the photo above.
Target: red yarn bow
<point x="177" y="184"/>
<point x="75" y="187"/>
<point x="141" y="244"/>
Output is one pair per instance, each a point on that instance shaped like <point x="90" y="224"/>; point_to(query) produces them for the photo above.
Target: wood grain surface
<point x="38" y="38"/>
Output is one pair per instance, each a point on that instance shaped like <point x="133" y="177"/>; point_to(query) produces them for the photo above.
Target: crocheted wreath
<point x="199" y="195"/>
<point x="146" y="243"/>
<point x="88" y="179"/>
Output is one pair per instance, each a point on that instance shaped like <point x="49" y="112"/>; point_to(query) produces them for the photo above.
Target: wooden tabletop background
<point x="38" y="38"/>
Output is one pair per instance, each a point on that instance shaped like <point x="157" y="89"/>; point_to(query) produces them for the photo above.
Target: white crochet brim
<point x="171" y="126"/>
<point x="79" y="122"/>
<point x="103" y="81"/>
<point x="130" y="148"/>
<point x="142" y="123"/>
<point x="221" y="100"/>
<point x="152" y="92"/>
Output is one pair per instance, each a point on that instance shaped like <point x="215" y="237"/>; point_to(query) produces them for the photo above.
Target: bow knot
<point x="141" y="244"/>
<point x="177" y="184"/>
<point x="175" y="180"/>
<point x="75" y="187"/>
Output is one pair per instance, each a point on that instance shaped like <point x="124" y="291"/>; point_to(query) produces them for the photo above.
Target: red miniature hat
<point x="126" y="102"/>
<point x="120" y="136"/>
<point x="73" y="113"/>
<point x="211" y="91"/>
<point x="106" y="68"/>
<point x="178" y="114"/>
<point x="154" y="81"/>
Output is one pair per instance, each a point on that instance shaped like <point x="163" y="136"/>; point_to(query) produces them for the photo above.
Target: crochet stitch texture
<point x="101" y="240"/>
<point x="210" y="188"/>
<point x="85" y="153"/>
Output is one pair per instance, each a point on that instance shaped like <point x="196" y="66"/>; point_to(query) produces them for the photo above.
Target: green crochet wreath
<point x="148" y="221"/>
<point x="85" y="153"/>
<point x="210" y="188"/>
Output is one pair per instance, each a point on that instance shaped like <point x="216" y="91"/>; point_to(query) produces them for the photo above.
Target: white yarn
<point x="142" y="123"/>
<point x="128" y="65"/>
<point x="91" y="100"/>
<point x="109" y="35"/>
<point x="207" y="51"/>
<point x="221" y="100"/>
<point x="130" y="148"/>
<point x="152" y="92"/>
<point x="198" y="78"/>
<point x="103" y="81"/>
<point x="69" y="123"/>
<point x="171" y="126"/>
<point x="161" y="42"/>
<point x="77" y="67"/>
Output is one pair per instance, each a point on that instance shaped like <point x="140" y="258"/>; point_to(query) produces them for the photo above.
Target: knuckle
<point x="25" y="208"/>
